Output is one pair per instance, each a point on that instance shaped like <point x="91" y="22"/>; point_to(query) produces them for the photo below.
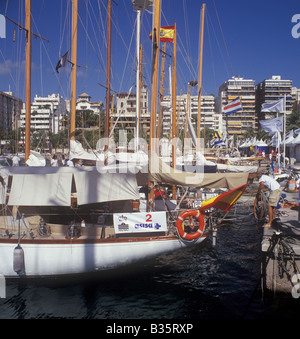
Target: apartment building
<point x="296" y="99"/>
<point x="237" y="123"/>
<point x="273" y="89"/>
<point x="209" y="117"/>
<point x="10" y="110"/>
<point x="46" y="113"/>
<point x="125" y="112"/>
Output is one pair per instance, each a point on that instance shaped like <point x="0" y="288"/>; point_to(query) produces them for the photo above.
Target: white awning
<point x="41" y="190"/>
<point x="94" y="187"/>
<point x="51" y="186"/>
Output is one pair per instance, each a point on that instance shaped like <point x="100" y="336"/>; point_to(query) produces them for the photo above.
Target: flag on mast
<point x="234" y="106"/>
<point x="274" y="106"/>
<point x="166" y="34"/>
<point x="62" y="61"/>
<point x="272" y="125"/>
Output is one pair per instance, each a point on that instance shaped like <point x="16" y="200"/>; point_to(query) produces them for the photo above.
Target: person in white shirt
<point x="275" y="194"/>
<point x="54" y="162"/>
<point x="63" y="160"/>
<point x="70" y="163"/>
<point x="16" y="160"/>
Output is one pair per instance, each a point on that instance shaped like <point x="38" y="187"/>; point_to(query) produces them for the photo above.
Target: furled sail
<point x="163" y="173"/>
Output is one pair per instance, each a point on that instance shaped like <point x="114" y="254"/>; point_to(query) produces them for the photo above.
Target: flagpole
<point x="74" y="69"/>
<point x="28" y="79"/>
<point x="138" y="29"/>
<point x="200" y="77"/>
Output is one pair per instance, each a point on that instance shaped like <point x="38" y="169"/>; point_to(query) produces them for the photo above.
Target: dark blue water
<point x="203" y="282"/>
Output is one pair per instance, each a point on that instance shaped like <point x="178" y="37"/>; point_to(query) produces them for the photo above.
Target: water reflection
<point x="203" y="282"/>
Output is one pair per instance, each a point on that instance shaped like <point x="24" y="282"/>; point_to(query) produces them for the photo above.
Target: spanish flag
<point x="224" y="201"/>
<point x="166" y="34"/>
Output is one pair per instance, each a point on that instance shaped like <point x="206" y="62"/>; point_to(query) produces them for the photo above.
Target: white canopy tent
<point x="51" y="186"/>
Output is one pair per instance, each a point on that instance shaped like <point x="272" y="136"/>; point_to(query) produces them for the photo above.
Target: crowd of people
<point x="55" y="162"/>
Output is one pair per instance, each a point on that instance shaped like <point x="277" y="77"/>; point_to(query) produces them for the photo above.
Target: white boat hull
<point x="54" y="258"/>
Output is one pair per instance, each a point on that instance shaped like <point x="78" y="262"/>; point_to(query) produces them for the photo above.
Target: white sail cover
<point x="163" y="173"/>
<point x="41" y="190"/>
<point x="51" y="186"/>
<point x="93" y="187"/>
<point x="237" y="169"/>
<point x="36" y="159"/>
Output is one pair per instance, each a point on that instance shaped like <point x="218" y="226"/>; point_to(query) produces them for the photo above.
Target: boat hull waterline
<point x="44" y="257"/>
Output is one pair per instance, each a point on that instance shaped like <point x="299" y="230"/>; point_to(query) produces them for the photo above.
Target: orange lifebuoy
<point x="190" y="236"/>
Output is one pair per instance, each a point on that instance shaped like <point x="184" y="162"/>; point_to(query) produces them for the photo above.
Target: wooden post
<point x="200" y="78"/>
<point x="28" y="79"/>
<point x="74" y="70"/>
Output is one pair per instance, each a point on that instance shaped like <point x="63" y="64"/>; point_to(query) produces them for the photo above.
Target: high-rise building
<point x="239" y="122"/>
<point x="209" y="117"/>
<point x="296" y="99"/>
<point x="10" y="110"/>
<point x="273" y="89"/>
<point x="46" y="113"/>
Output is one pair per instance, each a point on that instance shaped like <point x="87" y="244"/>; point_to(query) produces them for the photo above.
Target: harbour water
<point x="203" y="282"/>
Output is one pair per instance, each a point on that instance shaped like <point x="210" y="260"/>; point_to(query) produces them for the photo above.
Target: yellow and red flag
<point x="224" y="201"/>
<point x="166" y="34"/>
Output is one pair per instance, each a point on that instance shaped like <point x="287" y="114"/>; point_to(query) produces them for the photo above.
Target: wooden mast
<point x="161" y="91"/>
<point x="174" y="85"/>
<point x="200" y="78"/>
<point x="74" y="69"/>
<point x="108" y="66"/>
<point x="138" y="77"/>
<point x="154" y="87"/>
<point x="28" y="79"/>
<point x="174" y="113"/>
<point x="154" y="80"/>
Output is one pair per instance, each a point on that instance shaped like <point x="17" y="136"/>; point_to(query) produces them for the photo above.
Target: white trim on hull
<point x="54" y="259"/>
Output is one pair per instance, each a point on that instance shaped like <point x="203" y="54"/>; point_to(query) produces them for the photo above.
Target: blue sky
<point x="257" y="35"/>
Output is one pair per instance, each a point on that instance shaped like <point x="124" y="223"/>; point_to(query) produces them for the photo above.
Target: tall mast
<point x="174" y="113"/>
<point x="28" y="78"/>
<point x="161" y="91"/>
<point x="200" y="78"/>
<point x="74" y="69"/>
<point x="108" y="66"/>
<point x="138" y="29"/>
<point x="154" y="80"/>
<point x="174" y="85"/>
<point x="140" y="82"/>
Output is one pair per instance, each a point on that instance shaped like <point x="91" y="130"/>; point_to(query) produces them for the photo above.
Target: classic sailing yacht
<point x="66" y="221"/>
